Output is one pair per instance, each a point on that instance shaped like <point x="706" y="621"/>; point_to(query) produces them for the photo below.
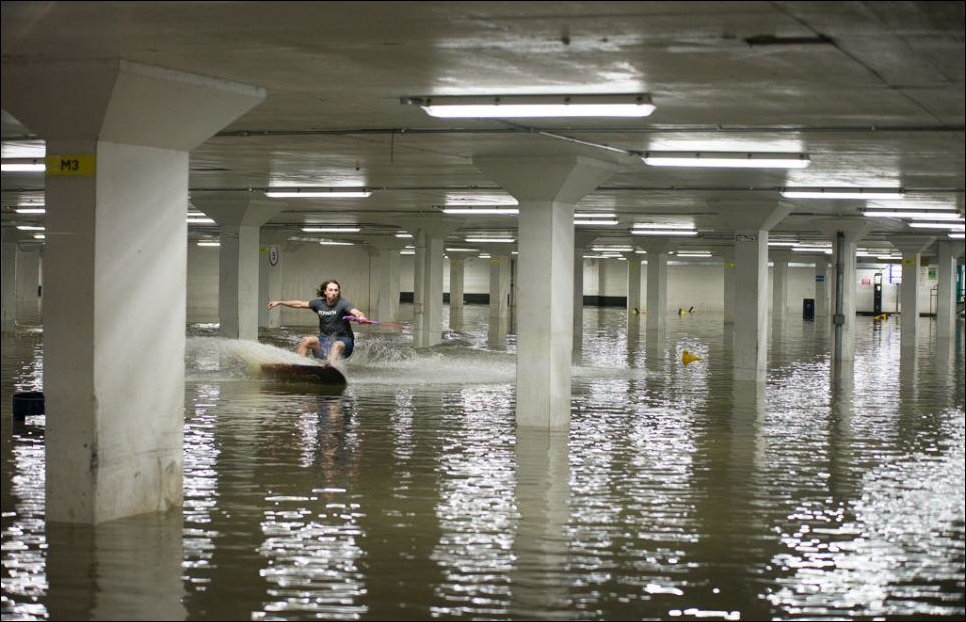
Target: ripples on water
<point x="678" y="492"/>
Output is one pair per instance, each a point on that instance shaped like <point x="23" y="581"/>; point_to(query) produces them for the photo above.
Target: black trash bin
<point x="808" y="309"/>
<point x="28" y="404"/>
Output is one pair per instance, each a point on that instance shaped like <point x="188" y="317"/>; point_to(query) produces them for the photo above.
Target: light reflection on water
<point x="678" y="491"/>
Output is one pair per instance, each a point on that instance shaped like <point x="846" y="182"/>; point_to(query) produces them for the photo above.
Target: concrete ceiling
<point x="872" y="91"/>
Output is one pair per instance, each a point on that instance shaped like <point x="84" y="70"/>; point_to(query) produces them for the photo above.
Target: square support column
<point x="752" y="224"/>
<point x="457" y="278"/>
<point x="428" y="295"/>
<point x="912" y="247"/>
<point x="116" y="259"/>
<point x="9" y="266"/>
<point x="822" y="282"/>
<point x="751" y="304"/>
<point x="844" y="234"/>
<point x="547" y="189"/>
<point x="657" y="257"/>
<point x="238" y="261"/>
<point x="546" y="297"/>
<point x="779" y="299"/>
<point x="238" y="282"/>
<point x="582" y="241"/>
<point x="946" y="300"/>
<point x="578" y="336"/>
<point x="500" y="287"/>
<point x="728" y="277"/>
<point x="633" y="286"/>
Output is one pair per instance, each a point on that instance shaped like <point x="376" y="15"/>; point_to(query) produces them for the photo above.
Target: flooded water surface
<point x="677" y="493"/>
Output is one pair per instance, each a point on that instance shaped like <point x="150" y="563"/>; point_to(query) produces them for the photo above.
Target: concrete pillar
<point x="28" y="278"/>
<point x="429" y="236"/>
<point x="946" y="301"/>
<point x="118" y="136"/>
<point x="9" y="267"/>
<point x="911" y="247"/>
<point x="500" y="287"/>
<point x="547" y="189"/>
<point x="633" y="286"/>
<point x="514" y="289"/>
<point x="384" y="279"/>
<point x="240" y="221"/>
<point x="852" y="230"/>
<point x="779" y="299"/>
<point x="582" y="242"/>
<point x="822" y="282"/>
<point x="728" y="268"/>
<point x="578" y="335"/>
<point x="752" y="224"/>
<point x="657" y="255"/>
<point x="457" y="274"/>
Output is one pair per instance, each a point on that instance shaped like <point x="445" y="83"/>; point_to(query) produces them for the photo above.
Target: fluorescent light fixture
<point x="957" y="236"/>
<point x="462" y="250"/>
<point x="22" y="165"/>
<point x="41" y="236"/>
<point x="479" y="198"/>
<point x="590" y="215"/>
<point x="595" y="222"/>
<point x="30" y="228"/>
<point x="789" y="244"/>
<point x="490" y="240"/>
<point x="937" y="225"/>
<point x="404" y="236"/>
<point x="889" y="257"/>
<point x="331" y="229"/>
<point x="208" y="243"/>
<point x="683" y="254"/>
<point x="909" y="206"/>
<point x="485" y="256"/>
<point x="317" y="193"/>
<point x="481" y="210"/>
<point x="200" y="221"/>
<point x="334" y="243"/>
<point x="532" y="106"/>
<point x="726" y="159"/>
<point x="912" y="215"/>
<point x="812" y="249"/>
<point x="663" y="226"/>
<point x="668" y="233"/>
<point x="31" y="210"/>
<point x="843" y="193"/>
<point x="407" y="252"/>
<point x="612" y="249"/>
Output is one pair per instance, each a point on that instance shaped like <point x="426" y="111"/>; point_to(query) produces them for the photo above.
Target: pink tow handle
<point x="352" y="318"/>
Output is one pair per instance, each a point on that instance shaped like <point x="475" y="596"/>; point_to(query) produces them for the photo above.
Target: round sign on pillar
<point x="273" y="256"/>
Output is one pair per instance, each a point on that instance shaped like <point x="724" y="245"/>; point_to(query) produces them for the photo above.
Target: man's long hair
<point x="321" y="292"/>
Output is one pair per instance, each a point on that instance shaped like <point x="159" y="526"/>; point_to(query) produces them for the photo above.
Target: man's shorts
<point x="325" y="343"/>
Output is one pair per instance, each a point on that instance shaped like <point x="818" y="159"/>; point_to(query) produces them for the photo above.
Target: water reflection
<point x="539" y="577"/>
<point x="127" y="569"/>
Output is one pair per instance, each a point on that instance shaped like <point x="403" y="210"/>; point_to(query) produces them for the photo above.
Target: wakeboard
<point x="291" y="372"/>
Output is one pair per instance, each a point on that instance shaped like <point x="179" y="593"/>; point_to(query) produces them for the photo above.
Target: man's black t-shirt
<point x="331" y="323"/>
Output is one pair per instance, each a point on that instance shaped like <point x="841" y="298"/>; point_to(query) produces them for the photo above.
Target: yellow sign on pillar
<point x="78" y="165"/>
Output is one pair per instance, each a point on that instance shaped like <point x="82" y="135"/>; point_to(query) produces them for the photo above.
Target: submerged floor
<point x="677" y="493"/>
